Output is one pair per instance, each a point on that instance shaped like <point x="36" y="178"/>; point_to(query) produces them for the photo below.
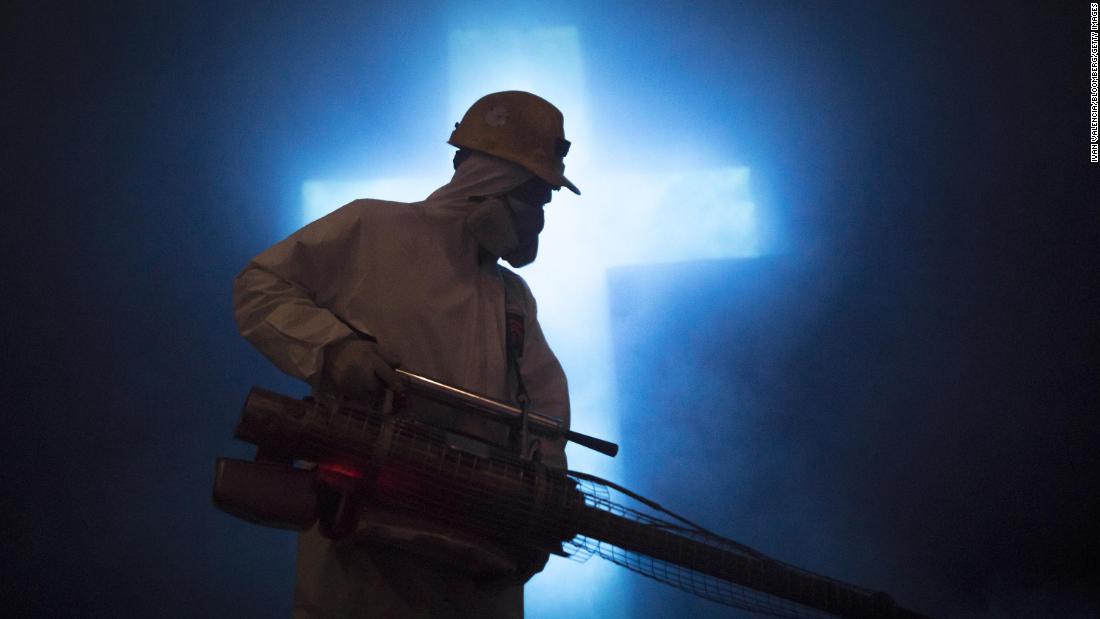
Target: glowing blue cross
<point x="622" y="218"/>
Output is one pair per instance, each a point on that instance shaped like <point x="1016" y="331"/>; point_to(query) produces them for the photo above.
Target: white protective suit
<point x="409" y="275"/>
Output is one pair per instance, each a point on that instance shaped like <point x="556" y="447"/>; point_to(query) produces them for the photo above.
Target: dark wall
<point x="919" y="413"/>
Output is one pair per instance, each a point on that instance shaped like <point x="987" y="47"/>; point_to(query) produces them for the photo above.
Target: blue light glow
<point x="623" y="218"/>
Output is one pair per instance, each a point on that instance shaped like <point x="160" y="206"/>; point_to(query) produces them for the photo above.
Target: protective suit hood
<point x="480" y="175"/>
<point x="491" y="222"/>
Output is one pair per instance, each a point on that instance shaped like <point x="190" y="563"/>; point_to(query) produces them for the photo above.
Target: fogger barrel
<point x="411" y="467"/>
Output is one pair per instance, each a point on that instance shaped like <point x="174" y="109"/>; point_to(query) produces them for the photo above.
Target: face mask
<point x="507" y="228"/>
<point x="524" y="254"/>
<point x="529" y="220"/>
<point x="491" y="224"/>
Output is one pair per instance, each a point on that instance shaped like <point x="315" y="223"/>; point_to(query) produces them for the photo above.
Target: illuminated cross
<point x="621" y="219"/>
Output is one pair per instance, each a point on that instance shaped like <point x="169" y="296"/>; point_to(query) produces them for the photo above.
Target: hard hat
<point x="520" y="127"/>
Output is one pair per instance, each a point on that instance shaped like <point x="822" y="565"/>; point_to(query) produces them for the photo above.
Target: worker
<point x="376" y="285"/>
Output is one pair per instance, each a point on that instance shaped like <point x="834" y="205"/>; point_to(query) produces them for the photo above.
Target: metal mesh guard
<point x="582" y="547"/>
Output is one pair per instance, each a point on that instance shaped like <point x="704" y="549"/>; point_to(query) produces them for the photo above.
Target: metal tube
<point x="462" y="398"/>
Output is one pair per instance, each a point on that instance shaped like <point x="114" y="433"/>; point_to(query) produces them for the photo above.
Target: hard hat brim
<point x="561" y="181"/>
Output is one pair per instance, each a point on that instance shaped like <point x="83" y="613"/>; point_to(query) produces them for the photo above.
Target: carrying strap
<point x="515" y="316"/>
<point x="515" y="323"/>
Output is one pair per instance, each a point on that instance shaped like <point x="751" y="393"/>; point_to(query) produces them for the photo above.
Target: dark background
<point x="914" y="404"/>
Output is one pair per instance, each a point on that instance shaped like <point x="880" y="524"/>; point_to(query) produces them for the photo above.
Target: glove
<point x="360" y="368"/>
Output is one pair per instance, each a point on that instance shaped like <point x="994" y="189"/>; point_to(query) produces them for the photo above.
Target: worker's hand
<point x="360" y="368"/>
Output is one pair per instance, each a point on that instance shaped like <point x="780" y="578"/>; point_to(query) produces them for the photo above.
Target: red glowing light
<point x="340" y="469"/>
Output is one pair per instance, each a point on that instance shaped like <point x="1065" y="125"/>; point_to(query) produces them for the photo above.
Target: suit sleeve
<point x="279" y="299"/>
